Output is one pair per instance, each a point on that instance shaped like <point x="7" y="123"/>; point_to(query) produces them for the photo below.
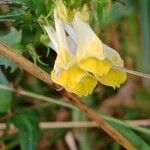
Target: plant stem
<point x="37" y="96"/>
<point x="140" y="74"/>
<point x="42" y="75"/>
<point x="127" y="123"/>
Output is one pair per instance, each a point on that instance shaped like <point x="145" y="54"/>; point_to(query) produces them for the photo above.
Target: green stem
<point x="126" y="124"/>
<point x="37" y="96"/>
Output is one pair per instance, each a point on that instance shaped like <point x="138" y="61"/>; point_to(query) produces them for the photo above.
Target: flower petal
<point x="72" y="45"/>
<point x="69" y="29"/>
<point x="89" y="45"/>
<point x="90" y="54"/>
<point x="113" y="78"/>
<point x="52" y="35"/>
<point x="84" y="14"/>
<point x="64" y="57"/>
<point x="113" y="56"/>
<point x="60" y="32"/>
<point x="95" y="66"/>
<point x="75" y="80"/>
<point x="85" y="87"/>
<point x="66" y="14"/>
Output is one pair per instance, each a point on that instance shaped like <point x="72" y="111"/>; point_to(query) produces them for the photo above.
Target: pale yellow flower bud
<point x="84" y="14"/>
<point x="66" y="14"/>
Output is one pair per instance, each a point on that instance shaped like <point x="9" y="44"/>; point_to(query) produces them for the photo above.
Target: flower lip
<point x="75" y="80"/>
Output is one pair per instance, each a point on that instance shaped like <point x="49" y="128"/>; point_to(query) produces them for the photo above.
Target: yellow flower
<point x="94" y="56"/>
<point x="66" y="14"/>
<point x="66" y="71"/>
<point x="90" y="53"/>
<point x="84" y="14"/>
<point x="81" y="57"/>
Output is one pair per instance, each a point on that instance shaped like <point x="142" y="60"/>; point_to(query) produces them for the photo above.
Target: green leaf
<point x="26" y="12"/>
<point x="34" y="55"/>
<point x="5" y="96"/>
<point x="131" y="136"/>
<point x="26" y="19"/>
<point x="145" y="24"/>
<point x="13" y="39"/>
<point x="28" y="124"/>
<point x="37" y="5"/>
<point x="12" y="15"/>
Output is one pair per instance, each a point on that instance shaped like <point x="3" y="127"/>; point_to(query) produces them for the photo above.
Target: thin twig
<point x="140" y="74"/>
<point x="42" y="75"/>
<point x="74" y="124"/>
<point x="144" y="122"/>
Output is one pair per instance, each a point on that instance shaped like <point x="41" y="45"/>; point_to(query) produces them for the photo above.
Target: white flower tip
<point x="60" y="32"/>
<point x="52" y="35"/>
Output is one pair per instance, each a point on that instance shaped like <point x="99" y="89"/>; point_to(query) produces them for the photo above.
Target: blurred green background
<point x="123" y="25"/>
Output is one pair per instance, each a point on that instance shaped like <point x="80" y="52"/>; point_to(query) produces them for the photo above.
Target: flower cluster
<point x="82" y="58"/>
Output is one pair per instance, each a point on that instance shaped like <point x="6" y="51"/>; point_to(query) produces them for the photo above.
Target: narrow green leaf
<point x="28" y="124"/>
<point x="145" y="29"/>
<point x="131" y="136"/>
<point x="5" y="96"/>
<point x="101" y="8"/>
